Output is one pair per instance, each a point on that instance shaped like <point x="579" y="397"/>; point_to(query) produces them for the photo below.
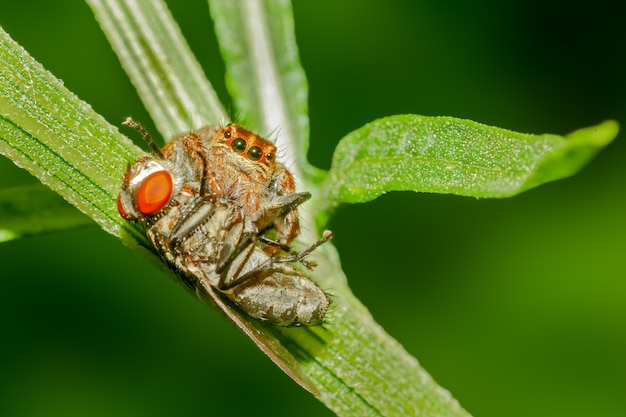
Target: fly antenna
<point x="138" y="127"/>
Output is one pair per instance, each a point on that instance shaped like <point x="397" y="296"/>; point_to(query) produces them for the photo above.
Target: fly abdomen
<point x="281" y="296"/>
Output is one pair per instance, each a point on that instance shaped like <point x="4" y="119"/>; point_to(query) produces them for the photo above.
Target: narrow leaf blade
<point x="264" y="75"/>
<point x="58" y="138"/>
<point x="67" y="146"/>
<point x="160" y="64"/>
<point x="453" y="156"/>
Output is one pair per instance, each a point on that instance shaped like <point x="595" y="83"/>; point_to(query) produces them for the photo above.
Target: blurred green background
<point x="517" y="306"/>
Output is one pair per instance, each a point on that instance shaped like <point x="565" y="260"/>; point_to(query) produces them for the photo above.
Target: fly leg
<point x="195" y="214"/>
<point x="239" y="245"/>
<point x="300" y="256"/>
<point x="270" y="263"/>
<point x="138" y="127"/>
<point x="198" y="210"/>
<point x="294" y="255"/>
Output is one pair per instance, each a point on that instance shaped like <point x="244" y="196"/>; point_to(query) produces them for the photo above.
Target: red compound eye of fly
<point x="120" y="207"/>
<point x="154" y="192"/>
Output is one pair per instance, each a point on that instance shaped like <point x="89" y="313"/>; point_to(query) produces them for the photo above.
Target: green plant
<point x="91" y="177"/>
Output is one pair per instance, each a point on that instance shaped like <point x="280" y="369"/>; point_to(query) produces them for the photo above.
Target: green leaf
<point x="353" y="362"/>
<point x="264" y="75"/>
<point x="35" y="210"/>
<point x="333" y="356"/>
<point x="160" y="64"/>
<point x="58" y="138"/>
<point x="454" y="156"/>
<point x="44" y="128"/>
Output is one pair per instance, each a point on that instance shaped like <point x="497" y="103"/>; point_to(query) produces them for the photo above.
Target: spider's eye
<point x="227" y="135"/>
<point x="239" y="145"/>
<point x="269" y="156"/>
<point x="255" y="153"/>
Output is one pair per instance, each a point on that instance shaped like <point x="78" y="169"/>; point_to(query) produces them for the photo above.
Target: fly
<point x="207" y="201"/>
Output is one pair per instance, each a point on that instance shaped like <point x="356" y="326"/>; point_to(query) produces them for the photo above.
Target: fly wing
<point x="267" y="342"/>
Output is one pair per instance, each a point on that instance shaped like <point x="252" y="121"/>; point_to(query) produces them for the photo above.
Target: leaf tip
<point x="599" y="135"/>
